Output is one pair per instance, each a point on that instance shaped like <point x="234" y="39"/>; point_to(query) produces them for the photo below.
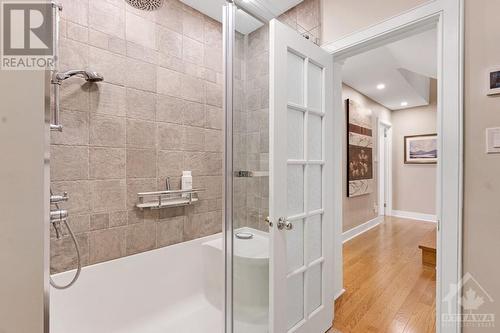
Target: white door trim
<point x="448" y="16"/>
<point x="384" y="158"/>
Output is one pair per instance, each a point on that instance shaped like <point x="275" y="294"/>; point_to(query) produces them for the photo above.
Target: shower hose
<point x="78" y="258"/>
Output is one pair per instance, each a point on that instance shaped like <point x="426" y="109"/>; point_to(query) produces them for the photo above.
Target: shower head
<point x="146" y="4"/>
<point x="87" y="75"/>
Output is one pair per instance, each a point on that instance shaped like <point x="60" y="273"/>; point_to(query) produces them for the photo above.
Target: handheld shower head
<point x="87" y="75"/>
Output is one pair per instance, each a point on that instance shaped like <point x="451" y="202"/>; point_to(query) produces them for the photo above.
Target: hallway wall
<point x="361" y="209"/>
<point x="413" y="185"/>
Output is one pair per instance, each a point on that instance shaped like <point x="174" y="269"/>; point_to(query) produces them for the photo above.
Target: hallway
<point x="387" y="288"/>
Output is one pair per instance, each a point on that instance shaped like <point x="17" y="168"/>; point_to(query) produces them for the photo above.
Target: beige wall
<point x="23" y="201"/>
<point x="482" y="180"/>
<point x="358" y="210"/>
<point x="342" y="17"/>
<point x="413" y="185"/>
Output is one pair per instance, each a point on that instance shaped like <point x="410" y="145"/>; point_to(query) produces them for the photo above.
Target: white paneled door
<point x="301" y="183"/>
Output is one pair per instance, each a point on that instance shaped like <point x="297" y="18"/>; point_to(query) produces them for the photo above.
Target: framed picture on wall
<point x="421" y="149"/>
<point x="359" y="150"/>
<point x="494" y="81"/>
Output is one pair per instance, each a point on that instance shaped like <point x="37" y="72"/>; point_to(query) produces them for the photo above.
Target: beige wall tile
<point x="78" y="192"/>
<point x="169" y="42"/>
<point x="72" y="54"/>
<point x="107" y="163"/>
<point x="213" y="186"/>
<point x="137" y="185"/>
<point x="171" y="62"/>
<point x="192" y="51"/>
<point x="141" y="134"/>
<point x="170" y="231"/>
<point x="141" y="237"/>
<point x="75" y="11"/>
<point x="170" y="163"/>
<point x="107" y="195"/>
<point x="143" y="53"/>
<point x="169" y="109"/>
<point x="214" y="140"/>
<point x="98" y="39"/>
<point x="141" y="163"/>
<point x="192" y="24"/>
<point x="213" y="58"/>
<point x="192" y="88"/>
<point x="106" y="17"/>
<point x="195" y="226"/>
<point x="108" y="99"/>
<point x="194" y="139"/>
<point x="140" y="75"/>
<point x="203" y="163"/>
<point x="107" y="131"/>
<point x="69" y="163"/>
<point x="214" y="94"/>
<point x="112" y="66"/>
<point x="117" y="45"/>
<point x="193" y="114"/>
<point x="170" y="136"/>
<point x="141" y="104"/>
<point x="99" y="221"/>
<point x="107" y="244"/>
<point x="77" y="32"/>
<point x="117" y="219"/>
<point x="76" y="129"/>
<point x="170" y="15"/>
<point x="213" y="33"/>
<point x="63" y="253"/>
<point x="140" y="30"/>
<point x="167" y="82"/>
<point x="79" y="224"/>
<point x="215" y="117"/>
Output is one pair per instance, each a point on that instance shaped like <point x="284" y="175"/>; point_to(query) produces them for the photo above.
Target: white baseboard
<point x="340" y="293"/>
<point x="414" y="216"/>
<point x="356" y="231"/>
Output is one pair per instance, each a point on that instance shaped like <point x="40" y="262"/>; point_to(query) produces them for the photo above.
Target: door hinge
<point x="438" y="225"/>
<point x="385" y="205"/>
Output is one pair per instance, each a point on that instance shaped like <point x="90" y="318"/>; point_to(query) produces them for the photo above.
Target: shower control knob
<point x="283" y="223"/>
<point x="269" y="222"/>
<point x="59" y="198"/>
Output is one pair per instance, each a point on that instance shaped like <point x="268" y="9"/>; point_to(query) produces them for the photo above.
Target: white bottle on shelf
<point x="186" y="183"/>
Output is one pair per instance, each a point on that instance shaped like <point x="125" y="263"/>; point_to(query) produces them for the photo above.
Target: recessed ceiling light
<point x="380" y="86"/>
<point x="404" y="103"/>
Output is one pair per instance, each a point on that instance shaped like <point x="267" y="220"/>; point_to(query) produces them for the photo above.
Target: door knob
<point x="283" y="223"/>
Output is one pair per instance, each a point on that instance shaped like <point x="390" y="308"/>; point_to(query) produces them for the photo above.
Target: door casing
<point x="448" y="16"/>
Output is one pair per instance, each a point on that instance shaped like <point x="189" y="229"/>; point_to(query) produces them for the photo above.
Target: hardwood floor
<point x="388" y="290"/>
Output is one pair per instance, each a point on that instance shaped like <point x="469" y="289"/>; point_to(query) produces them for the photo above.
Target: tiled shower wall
<point x="157" y="113"/>
<point x="252" y="112"/>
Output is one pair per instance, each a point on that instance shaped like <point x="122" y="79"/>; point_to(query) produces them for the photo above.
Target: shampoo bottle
<point x="186" y="182"/>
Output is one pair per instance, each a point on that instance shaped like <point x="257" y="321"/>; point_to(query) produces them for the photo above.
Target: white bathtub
<point x="176" y="289"/>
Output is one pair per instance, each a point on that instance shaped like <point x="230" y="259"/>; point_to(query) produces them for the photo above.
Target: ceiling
<point x="245" y="23"/>
<point x="405" y="68"/>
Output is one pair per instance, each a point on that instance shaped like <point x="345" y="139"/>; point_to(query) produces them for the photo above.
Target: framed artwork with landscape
<point x="421" y="149"/>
